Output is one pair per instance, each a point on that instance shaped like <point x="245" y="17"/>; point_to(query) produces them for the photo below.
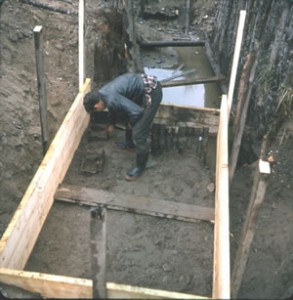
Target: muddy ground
<point x="142" y="251"/>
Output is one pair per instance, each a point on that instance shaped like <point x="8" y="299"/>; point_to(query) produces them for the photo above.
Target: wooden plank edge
<point x="22" y="232"/>
<point x="56" y="286"/>
<point x="221" y="269"/>
<point x="93" y="197"/>
<point x="196" y="81"/>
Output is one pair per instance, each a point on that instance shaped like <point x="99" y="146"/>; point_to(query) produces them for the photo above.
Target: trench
<point x="143" y="251"/>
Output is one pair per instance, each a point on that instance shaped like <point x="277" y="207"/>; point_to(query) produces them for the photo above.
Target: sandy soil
<point x="142" y="250"/>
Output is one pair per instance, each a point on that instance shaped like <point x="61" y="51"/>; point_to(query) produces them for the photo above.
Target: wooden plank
<point x="98" y="251"/>
<point x="81" y="52"/>
<point x="239" y="128"/>
<point x="63" y="287"/>
<point x="221" y="274"/>
<point x="212" y="79"/>
<point x="196" y="117"/>
<point x="38" y="38"/>
<point x="151" y="44"/>
<point x="22" y="232"/>
<point x="187" y="13"/>
<point x="136" y="204"/>
<point x="236" y="59"/>
<point x="255" y="202"/>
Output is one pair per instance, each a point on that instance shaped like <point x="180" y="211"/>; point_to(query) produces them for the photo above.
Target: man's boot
<point x="141" y="160"/>
<point x="128" y="143"/>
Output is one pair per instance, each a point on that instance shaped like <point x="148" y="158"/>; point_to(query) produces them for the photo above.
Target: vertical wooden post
<point x="41" y="85"/>
<point x="81" y="55"/>
<point x="235" y="59"/>
<point x="186" y="21"/>
<point x="256" y="199"/>
<point x="239" y="128"/>
<point x="221" y="274"/>
<point x="98" y="250"/>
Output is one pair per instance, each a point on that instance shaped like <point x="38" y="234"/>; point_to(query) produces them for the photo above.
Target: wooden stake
<point x="98" y="251"/>
<point x="38" y="36"/>
<point x="256" y="199"/>
<point x="240" y="128"/>
<point x="187" y="8"/>
<point x="81" y="55"/>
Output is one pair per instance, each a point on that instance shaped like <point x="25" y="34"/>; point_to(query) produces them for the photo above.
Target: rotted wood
<point x="202" y="142"/>
<point x="238" y="131"/>
<point x="51" y="6"/>
<point x="134" y="60"/>
<point x="187" y="12"/>
<point x="38" y="39"/>
<point x="171" y="44"/>
<point x="242" y="90"/>
<point x="98" y="251"/>
<point x="249" y="228"/>
<point x="134" y="204"/>
<point x="218" y="78"/>
<point x="185" y="116"/>
<point x="173" y="138"/>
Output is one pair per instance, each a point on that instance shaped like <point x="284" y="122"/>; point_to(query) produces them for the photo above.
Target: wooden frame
<point x="198" y="117"/>
<point x="22" y="232"/>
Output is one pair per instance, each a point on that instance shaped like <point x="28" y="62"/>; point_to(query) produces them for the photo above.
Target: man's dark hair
<point x="89" y="101"/>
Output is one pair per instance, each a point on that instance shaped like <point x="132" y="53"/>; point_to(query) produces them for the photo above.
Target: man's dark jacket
<point x="124" y="94"/>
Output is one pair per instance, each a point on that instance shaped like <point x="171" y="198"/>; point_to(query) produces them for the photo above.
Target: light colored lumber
<point x="137" y="204"/>
<point x="63" y="287"/>
<point x="236" y="59"/>
<point x="22" y="232"/>
<point x="255" y="202"/>
<point x="221" y="274"/>
<point x="81" y="52"/>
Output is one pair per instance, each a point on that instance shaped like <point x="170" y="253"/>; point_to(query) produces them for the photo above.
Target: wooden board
<point x="64" y="287"/>
<point x="185" y="116"/>
<point x="221" y="274"/>
<point x="22" y="232"/>
<point x="136" y="204"/>
<point x="219" y="78"/>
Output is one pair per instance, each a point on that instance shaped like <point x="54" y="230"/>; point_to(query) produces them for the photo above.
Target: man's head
<point x="93" y="102"/>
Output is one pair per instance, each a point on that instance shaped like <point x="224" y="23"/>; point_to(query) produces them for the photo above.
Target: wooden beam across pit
<point x="152" y="44"/>
<point x="134" y="204"/>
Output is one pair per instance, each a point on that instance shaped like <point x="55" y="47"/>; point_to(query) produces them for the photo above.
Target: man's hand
<point x="109" y="131"/>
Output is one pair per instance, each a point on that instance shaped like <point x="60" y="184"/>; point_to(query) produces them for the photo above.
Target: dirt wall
<point x="267" y="38"/>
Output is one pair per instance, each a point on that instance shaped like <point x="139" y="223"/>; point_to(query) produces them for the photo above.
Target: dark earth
<point x="141" y="250"/>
